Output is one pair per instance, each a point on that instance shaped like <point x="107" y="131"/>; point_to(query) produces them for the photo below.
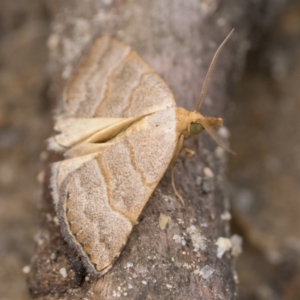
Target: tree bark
<point x="178" y="39"/>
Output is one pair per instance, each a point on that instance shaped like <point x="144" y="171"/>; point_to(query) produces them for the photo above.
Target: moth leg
<point x="178" y="149"/>
<point x="176" y="154"/>
<point x="188" y="154"/>
<point x="174" y="187"/>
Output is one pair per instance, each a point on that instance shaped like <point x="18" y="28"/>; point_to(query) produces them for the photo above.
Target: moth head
<point x="197" y="123"/>
<point x="196" y="127"/>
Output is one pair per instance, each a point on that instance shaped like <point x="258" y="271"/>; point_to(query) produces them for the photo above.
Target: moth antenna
<point x="210" y="70"/>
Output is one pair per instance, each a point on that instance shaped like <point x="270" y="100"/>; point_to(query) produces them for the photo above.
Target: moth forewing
<point x="60" y="170"/>
<point x="112" y="187"/>
<point x="86" y="149"/>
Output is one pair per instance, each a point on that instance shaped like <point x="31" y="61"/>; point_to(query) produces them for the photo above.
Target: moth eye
<point x="196" y="128"/>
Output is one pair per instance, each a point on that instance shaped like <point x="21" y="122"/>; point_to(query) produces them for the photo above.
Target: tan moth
<point x="120" y="131"/>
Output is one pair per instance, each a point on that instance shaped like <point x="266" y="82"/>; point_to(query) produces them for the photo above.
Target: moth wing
<point x="113" y="81"/>
<point x="100" y="196"/>
<point x="74" y="131"/>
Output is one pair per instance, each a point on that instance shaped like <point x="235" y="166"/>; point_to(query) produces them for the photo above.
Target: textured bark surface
<point x="178" y="39"/>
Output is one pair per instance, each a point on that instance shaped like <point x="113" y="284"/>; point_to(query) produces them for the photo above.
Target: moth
<point x="120" y="131"/>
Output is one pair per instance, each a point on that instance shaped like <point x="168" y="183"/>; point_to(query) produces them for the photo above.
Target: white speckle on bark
<point x="56" y="221"/>
<point x="26" y="269"/>
<point x="208" y="173"/>
<point x="116" y="294"/>
<point x="179" y="239"/>
<point x="226" y="216"/>
<point x="63" y="272"/>
<point x="219" y="152"/>
<point x="224" y="244"/>
<point x="196" y="237"/>
<point x="224" y="132"/>
<point x="206" y="272"/>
